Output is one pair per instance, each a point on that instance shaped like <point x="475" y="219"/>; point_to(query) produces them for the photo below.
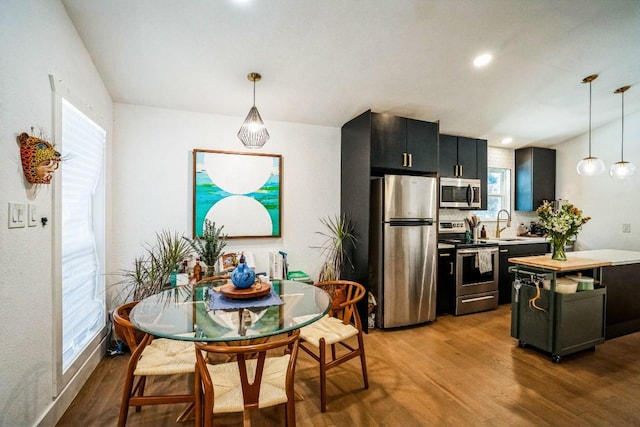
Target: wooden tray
<point x="230" y="291"/>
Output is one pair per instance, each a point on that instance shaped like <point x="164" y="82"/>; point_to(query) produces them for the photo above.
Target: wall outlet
<point x="626" y="228"/>
<point x="17" y="215"/>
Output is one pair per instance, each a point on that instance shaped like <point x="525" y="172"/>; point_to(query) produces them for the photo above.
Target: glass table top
<point x="186" y="312"/>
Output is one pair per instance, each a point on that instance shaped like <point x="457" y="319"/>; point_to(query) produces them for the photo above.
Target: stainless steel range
<point x="476" y="269"/>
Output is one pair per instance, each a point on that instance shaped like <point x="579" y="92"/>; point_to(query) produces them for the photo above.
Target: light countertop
<point x="516" y="240"/>
<point x="614" y="256"/>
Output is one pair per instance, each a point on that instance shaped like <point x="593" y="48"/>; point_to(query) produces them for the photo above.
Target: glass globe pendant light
<point x="253" y="133"/>
<point x="590" y="166"/>
<point x="622" y="169"/>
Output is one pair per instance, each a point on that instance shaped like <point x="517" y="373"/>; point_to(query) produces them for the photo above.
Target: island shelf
<point x="559" y="324"/>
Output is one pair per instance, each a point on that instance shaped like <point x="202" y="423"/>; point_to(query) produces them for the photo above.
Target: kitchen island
<point x="617" y="271"/>
<point x="557" y="323"/>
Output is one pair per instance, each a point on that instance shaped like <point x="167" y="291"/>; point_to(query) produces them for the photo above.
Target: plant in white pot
<point x="340" y="240"/>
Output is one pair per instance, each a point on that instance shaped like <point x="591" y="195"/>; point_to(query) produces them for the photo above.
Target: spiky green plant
<point x="209" y="246"/>
<point x="151" y="271"/>
<point x="340" y="238"/>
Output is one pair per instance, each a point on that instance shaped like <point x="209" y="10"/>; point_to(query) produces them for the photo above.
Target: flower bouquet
<point x="560" y="225"/>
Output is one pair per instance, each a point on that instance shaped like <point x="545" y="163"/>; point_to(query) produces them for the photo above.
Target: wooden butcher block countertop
<point x="571" y="264"/>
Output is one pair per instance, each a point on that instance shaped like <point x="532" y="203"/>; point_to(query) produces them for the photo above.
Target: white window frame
<point x="62" y="374"/>
<point x="504" y="193"/>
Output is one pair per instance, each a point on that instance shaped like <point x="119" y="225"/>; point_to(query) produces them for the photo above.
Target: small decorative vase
<point x="558" y="249"/>
<point x="243" y="276"/>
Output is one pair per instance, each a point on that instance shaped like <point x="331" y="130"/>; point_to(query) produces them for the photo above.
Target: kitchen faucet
<point x="498" y="229"/>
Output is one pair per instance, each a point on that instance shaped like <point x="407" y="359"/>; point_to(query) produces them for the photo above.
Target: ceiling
<point x="324" y="62"/>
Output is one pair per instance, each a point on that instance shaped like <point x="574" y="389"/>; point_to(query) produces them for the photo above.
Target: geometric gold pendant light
<point x="622" y="169"/>
<point x="253" y="133"/>
<point x="590" y="166"/>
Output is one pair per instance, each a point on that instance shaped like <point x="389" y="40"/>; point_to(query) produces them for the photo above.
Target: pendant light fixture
<point x="622" y="169"/>
<point x="590" y="166"/>
<point x="253" y="132"/>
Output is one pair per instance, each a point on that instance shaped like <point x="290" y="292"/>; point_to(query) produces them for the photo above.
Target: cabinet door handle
<point x="410" y="160"/>
<point x="451" y="268"/>
<point x="404" y="159"/>
<point x="461" y="170"/>
<point x="455" y="171"/>
<point x="504" y="250"/>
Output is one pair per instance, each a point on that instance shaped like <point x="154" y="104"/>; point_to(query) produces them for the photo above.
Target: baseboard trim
<point x="59" y="405"/>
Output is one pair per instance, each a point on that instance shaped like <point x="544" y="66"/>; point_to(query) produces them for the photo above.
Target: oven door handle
<point x="478" y="299"/>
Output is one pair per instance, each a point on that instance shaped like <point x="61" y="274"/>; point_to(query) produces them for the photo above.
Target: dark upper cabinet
<point x="448" y="156"/>
<point x="535" y="177"/>
<point x="422" y="145"/>
<point x="463" y="157"/>
<point x="398" y="143"/>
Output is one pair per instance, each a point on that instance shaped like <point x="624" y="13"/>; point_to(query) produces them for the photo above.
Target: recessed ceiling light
<point x="482" y="60"/>
<point x="506" y="141"/>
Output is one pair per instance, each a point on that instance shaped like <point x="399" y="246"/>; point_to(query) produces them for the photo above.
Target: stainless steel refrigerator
<point x="403" y="249"/>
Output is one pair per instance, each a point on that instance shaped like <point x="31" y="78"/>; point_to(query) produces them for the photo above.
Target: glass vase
<point x="558" y="249"/>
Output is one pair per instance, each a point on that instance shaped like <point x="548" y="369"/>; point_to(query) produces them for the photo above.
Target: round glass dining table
<point x="202" y="313"/>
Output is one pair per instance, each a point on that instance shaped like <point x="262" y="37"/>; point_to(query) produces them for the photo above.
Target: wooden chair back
<point x="345" y="295"/>
<point x="124" y="328"/>
<point x="250" y="383"/>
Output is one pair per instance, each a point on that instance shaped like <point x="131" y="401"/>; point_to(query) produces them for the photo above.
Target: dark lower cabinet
<point x="505" y="279"/>
<point x="446" y="289"/>
<point x="623" y="299"/>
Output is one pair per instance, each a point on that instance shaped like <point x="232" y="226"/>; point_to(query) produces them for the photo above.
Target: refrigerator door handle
<point x="410" y="222"/>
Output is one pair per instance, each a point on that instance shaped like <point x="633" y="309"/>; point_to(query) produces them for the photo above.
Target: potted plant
<point x="560" y="225"/>
<point x="340" y="239"/>
<point x="152" y="271"/>
<point x="209" y="246"/>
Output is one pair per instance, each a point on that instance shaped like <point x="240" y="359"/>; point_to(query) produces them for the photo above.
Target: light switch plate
<point x="32" y="219"/>
<point x="17" y="215"/>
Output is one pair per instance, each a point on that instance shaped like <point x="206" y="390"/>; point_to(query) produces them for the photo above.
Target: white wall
<point x="36" y="39"/>
<point x="608" y="201"/>
<point x="152" y="183"/>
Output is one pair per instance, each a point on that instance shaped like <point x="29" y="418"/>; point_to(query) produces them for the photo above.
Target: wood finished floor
<point x="457" y="371"/>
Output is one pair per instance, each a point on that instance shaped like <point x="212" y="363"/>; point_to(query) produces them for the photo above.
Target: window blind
<point x="83" y="299"/>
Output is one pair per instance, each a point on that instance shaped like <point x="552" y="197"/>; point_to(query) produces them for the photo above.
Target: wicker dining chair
<point x="251" y="381"/>
<point x="338" y="327"/>
<point x="150" y="357"/>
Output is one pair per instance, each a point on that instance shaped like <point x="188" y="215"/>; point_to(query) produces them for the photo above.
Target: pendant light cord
<point x="590" y="119"/>
<point x="622" y="140"/>
<point x="254" y="93"/>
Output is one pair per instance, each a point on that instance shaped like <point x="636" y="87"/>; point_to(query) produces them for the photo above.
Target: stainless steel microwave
<point x="459" y="193"/>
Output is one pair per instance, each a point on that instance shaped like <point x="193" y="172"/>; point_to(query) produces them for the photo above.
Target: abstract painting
<point x="240" y="191"/>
